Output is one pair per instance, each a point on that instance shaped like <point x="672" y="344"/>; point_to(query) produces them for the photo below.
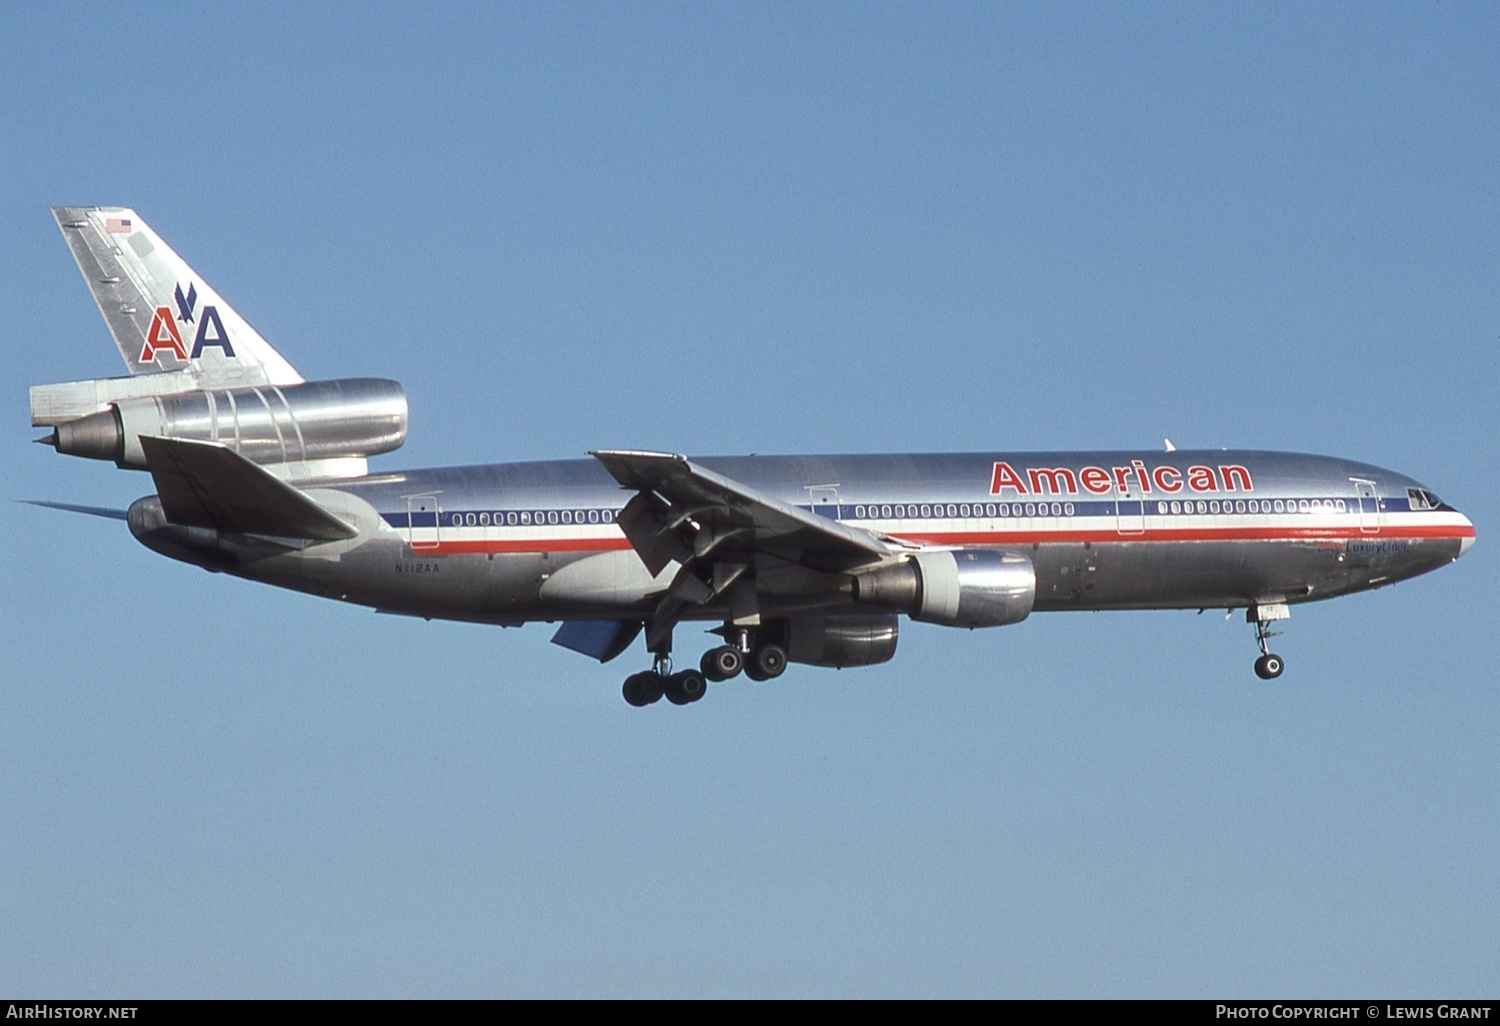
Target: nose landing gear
<point x="1269" y="666"/>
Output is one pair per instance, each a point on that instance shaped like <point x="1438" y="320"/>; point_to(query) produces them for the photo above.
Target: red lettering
<point x="1234" y="472"/>
<point x="162" y="334"/>
<point x="1201" y="479"/>
<point x="1140" y="475"/>
<point x="1094" y="479"/>
<point x="1056" y="478"/>
<point x="1160" y="475"/>
<point x="1006" y="477"/>
<point x="1121" y="473"/>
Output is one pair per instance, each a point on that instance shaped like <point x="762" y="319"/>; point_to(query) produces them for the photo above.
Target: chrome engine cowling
<point x="269" y="424"/>
<point x="957" y="588"/>
<point x="840" y="641"/>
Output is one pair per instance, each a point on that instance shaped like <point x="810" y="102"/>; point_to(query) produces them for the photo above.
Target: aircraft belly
<point x="1138" y="575"/>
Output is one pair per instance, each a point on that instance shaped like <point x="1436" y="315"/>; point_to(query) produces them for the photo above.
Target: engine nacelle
<point x="312" y="421"/>
<point x="957" y="588"/>
<point x="839" y="641"/>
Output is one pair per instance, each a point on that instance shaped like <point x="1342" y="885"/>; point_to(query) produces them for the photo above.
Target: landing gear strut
<point x="1269" y="666"/>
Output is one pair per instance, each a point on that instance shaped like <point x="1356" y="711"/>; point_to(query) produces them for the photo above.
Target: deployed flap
<point x="163" y="316"/>
<point x="205" y="484"/>
<point x="725" y="509"/>
<point x="729" y="538"/>
<point x="601" y="639"/>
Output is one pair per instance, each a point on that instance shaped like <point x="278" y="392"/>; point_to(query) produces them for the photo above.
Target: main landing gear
<point x="755" y="658"/>
<point x="1269" y="666"/>
<point x="679" y="688"/>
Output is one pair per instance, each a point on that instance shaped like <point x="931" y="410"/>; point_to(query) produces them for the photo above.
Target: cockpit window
<point x="1421" y="498"/>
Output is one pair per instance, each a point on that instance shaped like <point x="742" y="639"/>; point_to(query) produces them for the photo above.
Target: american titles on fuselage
<point x="1132" y="479"/>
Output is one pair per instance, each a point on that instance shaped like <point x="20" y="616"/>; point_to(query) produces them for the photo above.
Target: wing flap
<point x="734" y="542"/>
<point x="205" y="484"/>
<point x="726" y="509"/>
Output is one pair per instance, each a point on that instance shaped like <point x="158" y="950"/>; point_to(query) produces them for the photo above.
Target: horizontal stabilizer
<point x="93" y="511"/>
<point x="205" y="484"/>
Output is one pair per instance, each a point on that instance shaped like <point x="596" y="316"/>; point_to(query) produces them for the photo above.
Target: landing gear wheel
<point x="722" y="663"/>
<point x="685" y="687"/>
<point x="766" y="662"/>
<point x="642" y="689"/>
<point x="1269" y="666"/>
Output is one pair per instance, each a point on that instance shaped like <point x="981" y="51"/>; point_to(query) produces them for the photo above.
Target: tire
<point x="769" y="660"/>
<point x="634" y="692"/>
<point x="685" y="687"/>
<point x="653" y="686"/>
<point x="1269" y="667"/>
<point x="722" y="663"/>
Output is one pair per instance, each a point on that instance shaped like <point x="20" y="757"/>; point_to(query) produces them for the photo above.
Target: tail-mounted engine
<point x="958" y="588"/>
<point x="315" y="422"/>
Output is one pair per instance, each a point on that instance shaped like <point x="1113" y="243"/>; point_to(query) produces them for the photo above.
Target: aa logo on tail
<point x="164" y="333"/>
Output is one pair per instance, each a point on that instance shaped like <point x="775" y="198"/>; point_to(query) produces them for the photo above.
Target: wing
<point x="733" y="541"/>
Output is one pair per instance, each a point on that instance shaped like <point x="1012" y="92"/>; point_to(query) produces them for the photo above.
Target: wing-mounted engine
<point x="314" y="428"/>
<point x="842" y="641"/>
<point x="957" y="588"/>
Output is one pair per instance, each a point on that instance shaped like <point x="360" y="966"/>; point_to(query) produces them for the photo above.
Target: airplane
<point x="806" y="559"/>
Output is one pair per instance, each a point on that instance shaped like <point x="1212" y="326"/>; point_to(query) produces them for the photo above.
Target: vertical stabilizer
<point x="163" y="316"/>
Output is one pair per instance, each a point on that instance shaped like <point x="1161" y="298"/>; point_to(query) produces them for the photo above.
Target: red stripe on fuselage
<point x="525" y="545"/>
<point x="1181" y="534"/>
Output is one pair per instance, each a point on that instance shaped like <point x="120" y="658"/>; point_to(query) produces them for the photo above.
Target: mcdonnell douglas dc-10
<point x="807" y="559"/>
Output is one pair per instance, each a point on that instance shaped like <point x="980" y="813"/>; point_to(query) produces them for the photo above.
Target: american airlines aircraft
<point x="807" y="559"/>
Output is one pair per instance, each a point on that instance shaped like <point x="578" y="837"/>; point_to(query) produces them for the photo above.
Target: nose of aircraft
<point x="1466" y="540"/>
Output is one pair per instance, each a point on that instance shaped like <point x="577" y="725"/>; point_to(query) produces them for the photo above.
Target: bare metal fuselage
<point x="812" y="559"/>
<point x="511" y="543"/>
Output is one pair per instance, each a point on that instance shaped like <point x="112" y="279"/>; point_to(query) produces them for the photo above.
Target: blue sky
<point x="772" y="228"/>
